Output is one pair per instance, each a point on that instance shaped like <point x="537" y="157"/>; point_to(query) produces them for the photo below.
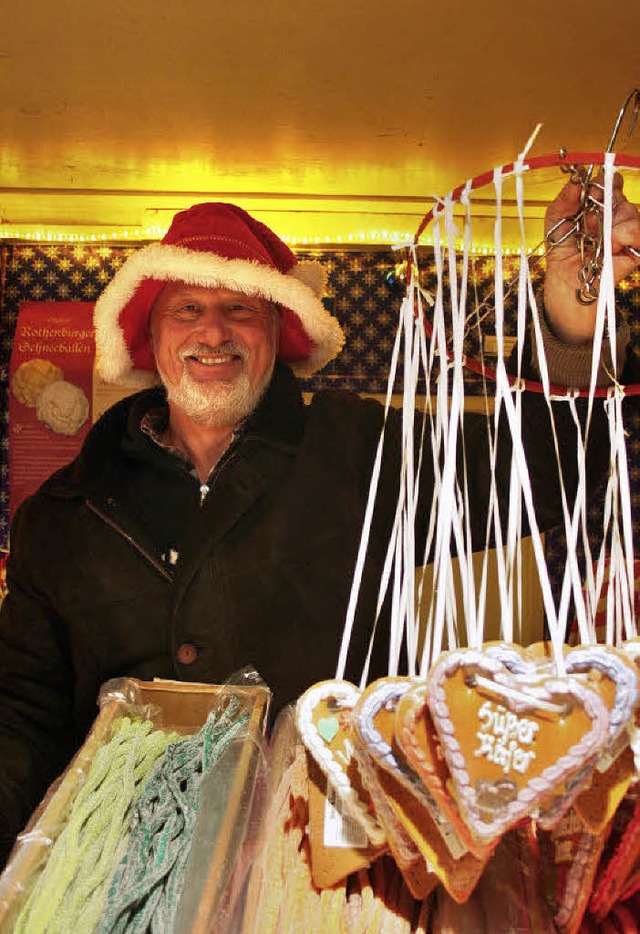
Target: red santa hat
<point x="217" y="246"/>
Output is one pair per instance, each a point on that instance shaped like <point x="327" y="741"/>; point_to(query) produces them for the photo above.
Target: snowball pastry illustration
<point x="32" y="377"/>
<point x="63" y="407"/>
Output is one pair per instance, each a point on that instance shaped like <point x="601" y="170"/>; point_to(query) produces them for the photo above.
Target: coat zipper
<point x="225" y="460"/>
<point x="117" y="528"/>
<point x="228" y="456"/>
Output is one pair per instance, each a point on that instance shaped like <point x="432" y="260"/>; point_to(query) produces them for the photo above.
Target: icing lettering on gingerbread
<point x="504" y="737"/>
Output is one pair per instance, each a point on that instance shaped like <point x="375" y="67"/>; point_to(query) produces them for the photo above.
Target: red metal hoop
<point x="621" y="161"/>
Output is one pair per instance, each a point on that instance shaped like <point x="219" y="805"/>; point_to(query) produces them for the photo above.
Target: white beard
<point x="224" y="403"/>
<point x="217" y="406"/>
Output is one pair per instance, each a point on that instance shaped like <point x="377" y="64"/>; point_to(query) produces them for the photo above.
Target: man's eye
<point x="188" y="310"/>
<point x="237" y="309"/>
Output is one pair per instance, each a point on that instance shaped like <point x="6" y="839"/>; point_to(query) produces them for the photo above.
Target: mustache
<point x="220" y="350"/>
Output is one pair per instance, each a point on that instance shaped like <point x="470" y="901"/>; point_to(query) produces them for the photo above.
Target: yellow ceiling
<point x="330" y="119"/>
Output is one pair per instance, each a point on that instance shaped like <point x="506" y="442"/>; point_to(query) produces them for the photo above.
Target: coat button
<point x="187" y="653"/>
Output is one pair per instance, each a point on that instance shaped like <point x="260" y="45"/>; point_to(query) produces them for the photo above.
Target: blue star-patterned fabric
<point x="364" y="293"/>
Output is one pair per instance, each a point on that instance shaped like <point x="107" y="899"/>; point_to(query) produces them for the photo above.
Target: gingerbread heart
<point x="374" y="727"/>
<point x="323" y="717"/>
<point x="598" y="803"/>
<point x="510" y="744"/>
<point x="415" y="869"/>
<point x="631" y="650"/>
<point x="515" y="658"/>
<point x="338" y="844"/>
<point x="420" y="745"/>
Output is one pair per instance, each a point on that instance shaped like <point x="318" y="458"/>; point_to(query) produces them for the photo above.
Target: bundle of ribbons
<point x="485" y="755"/>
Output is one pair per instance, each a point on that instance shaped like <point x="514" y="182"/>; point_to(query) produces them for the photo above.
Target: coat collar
<point x="278" y="422"/>
<point x="280" y="416"/>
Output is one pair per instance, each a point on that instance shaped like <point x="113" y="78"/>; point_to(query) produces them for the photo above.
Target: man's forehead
<point x="180" y="288"/>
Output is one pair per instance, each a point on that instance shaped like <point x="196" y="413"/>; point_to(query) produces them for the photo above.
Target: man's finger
<point x="564" y="205"/>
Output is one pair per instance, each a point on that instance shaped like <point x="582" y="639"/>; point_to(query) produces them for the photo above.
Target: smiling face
<point x="215" y="350"/>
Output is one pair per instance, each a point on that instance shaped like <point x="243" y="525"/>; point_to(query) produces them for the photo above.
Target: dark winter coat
<point x="263" y="576"/>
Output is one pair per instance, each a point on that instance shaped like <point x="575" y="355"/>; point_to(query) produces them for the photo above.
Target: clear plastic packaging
<point x="281" y="897"/>
<point x="33" y="845"/>
<point x="278" y="799"/>
<point x="224" y="839"/>
<point x="175" y="706"/>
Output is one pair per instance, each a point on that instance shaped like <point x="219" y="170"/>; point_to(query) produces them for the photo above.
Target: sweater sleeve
<point x="570" y="364"/>
<point x="35" y="694"/>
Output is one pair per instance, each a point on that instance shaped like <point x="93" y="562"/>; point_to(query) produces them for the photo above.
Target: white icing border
<point x="606" y="661"/>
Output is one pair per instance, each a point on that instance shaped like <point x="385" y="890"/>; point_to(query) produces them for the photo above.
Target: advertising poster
<point x="50" y="391"/>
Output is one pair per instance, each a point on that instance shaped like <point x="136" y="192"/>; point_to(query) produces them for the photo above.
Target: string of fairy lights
<point x="376" y="239"/>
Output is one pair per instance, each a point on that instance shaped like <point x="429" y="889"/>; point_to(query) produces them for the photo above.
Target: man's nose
<point x="213" y="326"/>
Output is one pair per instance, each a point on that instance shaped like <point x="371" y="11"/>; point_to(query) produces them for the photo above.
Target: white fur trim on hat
<point x="175" y="263"/>
<point x="312" y="274"/>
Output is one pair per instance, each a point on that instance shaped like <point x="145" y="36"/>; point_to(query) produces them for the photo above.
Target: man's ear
<point x="277" y="311"/>
<point x="150" y="332"/>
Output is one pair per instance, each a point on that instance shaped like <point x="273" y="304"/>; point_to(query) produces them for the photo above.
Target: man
<point x="213" y="522"/>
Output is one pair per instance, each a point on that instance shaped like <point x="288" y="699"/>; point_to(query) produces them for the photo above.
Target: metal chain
<point x="586" y="225"/>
